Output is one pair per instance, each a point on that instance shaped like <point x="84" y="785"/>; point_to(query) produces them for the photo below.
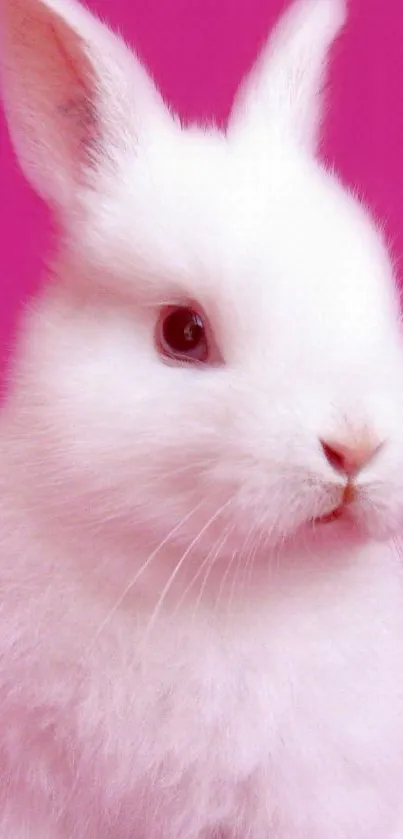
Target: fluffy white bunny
<point x="201" y="481"/>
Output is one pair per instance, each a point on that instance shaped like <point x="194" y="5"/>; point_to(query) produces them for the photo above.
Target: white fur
<point x="183" y="654"/>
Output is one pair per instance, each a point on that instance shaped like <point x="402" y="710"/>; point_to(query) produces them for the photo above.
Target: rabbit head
<point x="218" y="354"/>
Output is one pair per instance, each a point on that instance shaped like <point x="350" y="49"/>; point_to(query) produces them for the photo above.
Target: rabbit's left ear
<point x="282" y="92"/>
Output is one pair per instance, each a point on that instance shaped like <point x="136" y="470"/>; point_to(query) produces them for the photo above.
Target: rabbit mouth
<point x="334" y="515"/>
<point x="348" y="497"/>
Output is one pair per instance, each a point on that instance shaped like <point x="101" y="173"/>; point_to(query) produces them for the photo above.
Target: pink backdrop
<point x="198" y="50"/>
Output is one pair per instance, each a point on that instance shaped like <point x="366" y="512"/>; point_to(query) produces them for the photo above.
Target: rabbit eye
<point x="182" y="335"/>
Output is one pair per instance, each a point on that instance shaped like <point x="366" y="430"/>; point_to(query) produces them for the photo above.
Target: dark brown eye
<point x="182" y="334"/>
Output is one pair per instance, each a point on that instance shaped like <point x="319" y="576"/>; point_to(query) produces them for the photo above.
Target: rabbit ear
<point x="282" y="92"/>
<point x="75" y="96"/>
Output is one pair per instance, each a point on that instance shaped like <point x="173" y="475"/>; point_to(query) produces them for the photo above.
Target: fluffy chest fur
<point x="209" y="725"/>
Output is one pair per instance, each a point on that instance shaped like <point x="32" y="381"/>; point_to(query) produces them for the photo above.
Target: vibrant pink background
<point x="198" y="50"/>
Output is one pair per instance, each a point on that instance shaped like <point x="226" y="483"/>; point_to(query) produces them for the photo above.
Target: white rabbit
<point x="201" y="481"/>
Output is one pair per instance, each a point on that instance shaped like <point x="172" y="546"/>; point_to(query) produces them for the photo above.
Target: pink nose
<point x="349" y="457"/>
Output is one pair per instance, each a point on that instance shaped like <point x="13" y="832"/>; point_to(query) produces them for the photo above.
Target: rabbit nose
<point x="350" y="456"/>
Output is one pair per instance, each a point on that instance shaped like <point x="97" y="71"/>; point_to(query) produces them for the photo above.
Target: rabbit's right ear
<point x="75" y="96"/>
<point x="282" y="92"/>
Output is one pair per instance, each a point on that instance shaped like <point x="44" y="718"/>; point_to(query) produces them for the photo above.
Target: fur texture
<point x="186" y="650"/>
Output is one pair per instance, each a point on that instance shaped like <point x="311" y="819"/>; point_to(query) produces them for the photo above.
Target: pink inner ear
<point x="50" y="88"/>
<point x="72" y="79"/>
<point x="78" y="108"/>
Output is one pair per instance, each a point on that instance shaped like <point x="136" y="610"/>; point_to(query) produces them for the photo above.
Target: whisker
<point x="252" y="557"/>
<point x="238" y="564"/>
<point x="246" y="554"/>
<point x="179" y="565"/>
<point x="232" y="559"/>
<point x="196" y="576"/>
<point x="210" y="566"/>
<point x="141" y="570"/>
